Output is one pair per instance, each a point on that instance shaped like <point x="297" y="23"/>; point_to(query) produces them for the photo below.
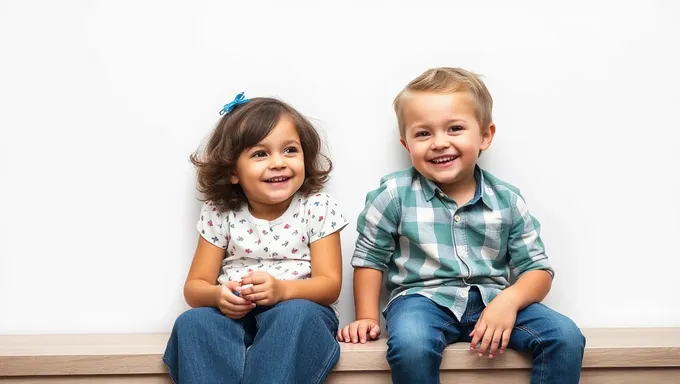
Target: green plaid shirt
<point x="430" y="246"/>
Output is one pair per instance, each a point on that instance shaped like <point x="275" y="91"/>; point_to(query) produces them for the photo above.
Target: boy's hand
<point x="265" y="289"/>
<point x="357" y="331"/>
<point x="231" y="305"/>
<point x="494" y="326"/>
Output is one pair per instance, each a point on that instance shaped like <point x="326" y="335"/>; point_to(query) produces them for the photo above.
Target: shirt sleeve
<point x="377" y="226"/>
<point x="213" y="226"/>
<point x="525" y="247"/>
<point x="323" y="217"/>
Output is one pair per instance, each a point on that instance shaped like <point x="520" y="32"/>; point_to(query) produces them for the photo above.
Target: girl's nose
<point x="277" y="161"/>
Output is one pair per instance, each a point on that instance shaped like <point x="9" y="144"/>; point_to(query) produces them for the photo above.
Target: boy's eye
<point x="456" y="128"/>
<point x="422" y="134"/>
<point x="259" y="154"/>
<point x="290" y="150"/>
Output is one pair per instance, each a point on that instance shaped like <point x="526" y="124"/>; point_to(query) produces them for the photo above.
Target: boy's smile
<point x="444" y="139"/>
<point x="443" y="161"/>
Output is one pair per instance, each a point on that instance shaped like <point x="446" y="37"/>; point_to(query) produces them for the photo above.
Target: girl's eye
<point x="290" y="150"/>
<point x="422" y="134"/>
<point x="259" y="154"/>
<point x="455" y="128"/>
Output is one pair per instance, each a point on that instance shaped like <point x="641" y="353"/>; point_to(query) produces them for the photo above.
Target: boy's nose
<point x="440" y="142"/>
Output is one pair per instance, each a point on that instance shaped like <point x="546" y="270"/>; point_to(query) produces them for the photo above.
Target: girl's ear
<point x="234" y="179"/>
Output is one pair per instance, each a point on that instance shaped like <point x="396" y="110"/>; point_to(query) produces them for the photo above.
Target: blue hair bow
<point x="238" y="100"/>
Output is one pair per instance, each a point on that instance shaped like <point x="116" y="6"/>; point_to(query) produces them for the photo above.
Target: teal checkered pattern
<point x="430" y="246"/>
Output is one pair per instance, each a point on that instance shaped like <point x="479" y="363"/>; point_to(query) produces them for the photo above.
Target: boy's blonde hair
<point x="448" y="80"/>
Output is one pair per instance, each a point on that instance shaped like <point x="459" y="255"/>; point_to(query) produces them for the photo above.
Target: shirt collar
<point x="430" y="189"/>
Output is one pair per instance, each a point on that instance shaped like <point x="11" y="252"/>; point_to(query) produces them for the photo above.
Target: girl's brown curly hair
<point x="242" y="128"/>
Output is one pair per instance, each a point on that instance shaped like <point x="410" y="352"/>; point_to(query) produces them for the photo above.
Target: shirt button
<point x="456" y="218"/>
<point x="462" y="251"/>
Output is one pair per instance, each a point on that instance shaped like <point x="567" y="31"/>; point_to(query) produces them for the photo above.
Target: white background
<point x="101" y="103"/>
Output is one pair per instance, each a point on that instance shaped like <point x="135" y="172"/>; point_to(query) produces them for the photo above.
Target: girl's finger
<point x="233" y="298"/>
<point x="255" y="297"/>
<point x="248" y="289"/>
<point x="253" y="279"/>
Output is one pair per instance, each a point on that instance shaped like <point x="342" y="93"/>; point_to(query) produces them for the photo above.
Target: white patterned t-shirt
<point x="279" y="247"/>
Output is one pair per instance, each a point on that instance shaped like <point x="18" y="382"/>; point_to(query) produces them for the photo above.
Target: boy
<point x="448" y="234"/>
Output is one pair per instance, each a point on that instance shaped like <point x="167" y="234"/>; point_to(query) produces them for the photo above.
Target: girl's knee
<point x="301" y="310"/>
<point x="299" y="305"/>
<point x="196" y="317"/>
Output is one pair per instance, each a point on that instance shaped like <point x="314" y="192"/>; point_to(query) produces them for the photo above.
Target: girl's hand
<point x="231" y="305"/>
<point x="265" y="290"/>
<point x="494" y="326"/>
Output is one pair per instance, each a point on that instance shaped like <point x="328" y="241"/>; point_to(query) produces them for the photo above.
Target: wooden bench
<point x="636" y="355"/>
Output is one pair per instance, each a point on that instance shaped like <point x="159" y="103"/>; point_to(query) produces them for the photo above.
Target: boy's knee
<point x="569" y="337"/>
<point x="412" y="347"/>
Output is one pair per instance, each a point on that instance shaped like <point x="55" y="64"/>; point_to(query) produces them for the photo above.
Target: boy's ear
<point x="403" y="142"/>
<point x="487" y="137"/>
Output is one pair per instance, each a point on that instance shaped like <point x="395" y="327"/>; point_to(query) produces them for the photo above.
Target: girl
<point x="268" y="260"/>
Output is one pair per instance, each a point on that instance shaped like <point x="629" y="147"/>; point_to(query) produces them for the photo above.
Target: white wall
<point x="102" y="102"/>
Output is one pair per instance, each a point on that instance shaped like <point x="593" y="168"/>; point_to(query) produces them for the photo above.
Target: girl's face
<point x="274" y="169"/>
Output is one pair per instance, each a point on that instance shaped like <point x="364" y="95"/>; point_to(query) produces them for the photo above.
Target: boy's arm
<point x="529" y="261"/>
<point x="377" y="226"/>
<point x="527" y="258"/>
<point x="367" y="286"/>
<point x="531" y="287"/>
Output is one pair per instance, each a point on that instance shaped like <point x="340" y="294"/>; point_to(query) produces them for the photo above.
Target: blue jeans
<point x="291" y="342"/>
<point x="419" y="330"/>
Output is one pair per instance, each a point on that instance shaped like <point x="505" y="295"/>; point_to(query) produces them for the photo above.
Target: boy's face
<point x="443" y="136"/>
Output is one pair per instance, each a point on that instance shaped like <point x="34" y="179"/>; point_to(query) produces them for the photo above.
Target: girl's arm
<point x="200" y="288"/>
<point x="324" y="285"/>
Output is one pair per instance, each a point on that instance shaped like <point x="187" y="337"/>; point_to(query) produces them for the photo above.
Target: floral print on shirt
<point x="279" y="247"/>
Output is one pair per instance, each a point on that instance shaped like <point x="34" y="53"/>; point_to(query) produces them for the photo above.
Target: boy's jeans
<point x="419" y="330"/>
<point x="291" y="342"/>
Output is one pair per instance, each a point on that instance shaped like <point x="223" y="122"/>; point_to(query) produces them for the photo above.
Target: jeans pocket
<point x="391" y="304"/>
<point x="475" y="304"/>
